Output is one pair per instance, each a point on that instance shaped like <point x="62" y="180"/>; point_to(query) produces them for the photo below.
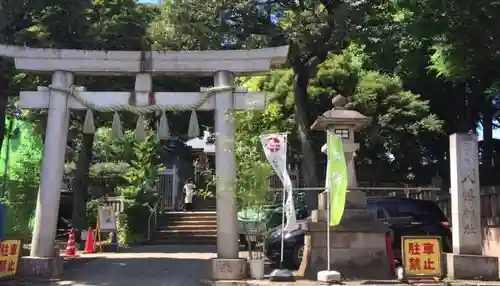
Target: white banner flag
<point x="275" y="149"/>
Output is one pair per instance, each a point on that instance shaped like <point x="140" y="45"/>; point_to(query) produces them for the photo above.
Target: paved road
<point x="146" y="265"/>
<point x="162" y="265"/>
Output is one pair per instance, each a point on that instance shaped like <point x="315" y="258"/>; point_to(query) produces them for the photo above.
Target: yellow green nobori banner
<point x="336" y="178"/>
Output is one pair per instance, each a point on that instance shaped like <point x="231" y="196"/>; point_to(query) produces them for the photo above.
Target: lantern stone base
<point x="44" y="267"/>
<point x="357" y="246"/>
<point x="229" y="269"/>
<point x="464" y="266"/>
<point x="357" y="251"/>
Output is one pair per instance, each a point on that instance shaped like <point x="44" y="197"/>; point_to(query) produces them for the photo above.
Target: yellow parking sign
<point x="9" y="257"/>
<point x="421" y="256"/>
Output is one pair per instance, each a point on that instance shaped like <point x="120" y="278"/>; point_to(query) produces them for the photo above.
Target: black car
<point x="403" y="216"/>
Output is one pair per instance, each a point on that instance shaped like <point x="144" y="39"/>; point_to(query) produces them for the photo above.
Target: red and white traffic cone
<point x="70" y="247"/>
<point x="89" y="243"/>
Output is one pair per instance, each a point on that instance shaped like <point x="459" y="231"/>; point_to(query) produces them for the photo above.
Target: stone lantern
<point x="357" y="245"/>
<point x="343" y="121"/>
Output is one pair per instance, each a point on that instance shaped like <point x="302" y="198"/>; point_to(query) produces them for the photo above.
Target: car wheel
<point x="297" y="255"/>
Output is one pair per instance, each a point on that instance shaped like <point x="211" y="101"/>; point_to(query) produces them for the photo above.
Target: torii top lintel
<point x="243" y="62"/>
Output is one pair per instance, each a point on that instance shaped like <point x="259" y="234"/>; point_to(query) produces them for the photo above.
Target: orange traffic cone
<point x="89" y="243"/>
<point x="70" y="248"/>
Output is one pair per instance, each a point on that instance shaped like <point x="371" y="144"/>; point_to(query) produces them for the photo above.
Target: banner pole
<point x="328" y="206"/>
<point x="328" y="261"/>
<point x="275" y="146"/>
<point x="283" y="197"/>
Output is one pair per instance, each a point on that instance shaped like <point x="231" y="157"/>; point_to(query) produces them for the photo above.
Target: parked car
<point x="269" y="216"/>
<point x="403" y="216"/>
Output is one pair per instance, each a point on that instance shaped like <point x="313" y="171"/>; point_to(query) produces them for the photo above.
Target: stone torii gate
<point x="62" y="96"/>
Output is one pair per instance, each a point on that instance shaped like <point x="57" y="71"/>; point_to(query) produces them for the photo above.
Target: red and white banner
<point x="275" y="149"/>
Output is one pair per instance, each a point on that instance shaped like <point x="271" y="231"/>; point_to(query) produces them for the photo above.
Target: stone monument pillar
<point x="467" y="261"/>
<point x="357" y="245"/>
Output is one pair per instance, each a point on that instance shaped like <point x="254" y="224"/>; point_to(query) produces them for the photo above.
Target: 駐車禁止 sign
<point x="9" y="257"/>
<point x="421" y="256"/>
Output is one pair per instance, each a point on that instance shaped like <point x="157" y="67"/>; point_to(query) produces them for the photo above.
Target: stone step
<point x="188" y="217"/>
<point x="186" y="232"/>
<point x="199" y="221"/>
<point x="184" y="239"/>
<point x="186" y="224"/>
<point x="197" y="227"/>
<point x="191" y="226"/>
<point x="190" y="221"/>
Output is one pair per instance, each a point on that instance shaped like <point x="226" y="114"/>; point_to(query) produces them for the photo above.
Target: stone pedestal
<point x="467" y="261"/>
<point x="357" y="245"/>
<point x="229" y="269"/>
<point x="44" y="267"/>
<point x="354" y="200"/>
<point x="463" y="266"/>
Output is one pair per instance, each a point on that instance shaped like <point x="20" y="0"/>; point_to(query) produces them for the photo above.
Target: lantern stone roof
<point x="341" y="114"/>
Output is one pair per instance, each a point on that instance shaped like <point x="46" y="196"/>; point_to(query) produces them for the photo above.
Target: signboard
<point x="9" y="257"/>
<point x="106" y="218"/>
<point x="421" y="256"/>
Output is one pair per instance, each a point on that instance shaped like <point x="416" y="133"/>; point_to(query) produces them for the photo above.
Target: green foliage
<point x="253" y="171"/>
<point x="274" y="213"/>
<point x="416" y="61"/>
<point x="402" y="124"/>
<point x="22" y="190"/>
<point x="92" y="208"/>
<point x="140" y="191"/>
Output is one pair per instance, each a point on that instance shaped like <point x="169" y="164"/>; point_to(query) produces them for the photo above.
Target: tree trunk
<point x="308" y="161"/>
<point x="80" y="184"/>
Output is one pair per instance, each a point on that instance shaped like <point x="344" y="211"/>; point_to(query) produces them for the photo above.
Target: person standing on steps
<point x="188" y="189"/>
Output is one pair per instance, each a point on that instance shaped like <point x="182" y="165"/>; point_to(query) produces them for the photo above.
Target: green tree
<point x="140" y="190"/>
<point x="313" y="29"/>
<point x="443" y="48"/>
<point x="394" y="143"/>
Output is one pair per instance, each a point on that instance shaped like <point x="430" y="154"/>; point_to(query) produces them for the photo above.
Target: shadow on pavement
<point x="146" y="265"/>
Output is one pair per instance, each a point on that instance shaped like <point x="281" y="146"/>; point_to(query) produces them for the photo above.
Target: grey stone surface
<point x="350" y="216"/>
<point x="40" y="266"/>
<point x="354" y="200"/>
<point x="356" y="254"/>
<point x="155" y="265"/>
<point x="357" y="245"/>
<point x="463" y="266"/>
<point x="229" y="269"/>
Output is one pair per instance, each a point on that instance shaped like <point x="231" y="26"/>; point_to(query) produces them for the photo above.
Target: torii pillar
<point x="65" y="64"/>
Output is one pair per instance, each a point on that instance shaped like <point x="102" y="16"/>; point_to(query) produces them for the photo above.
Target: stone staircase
<point x="197" y="227"/>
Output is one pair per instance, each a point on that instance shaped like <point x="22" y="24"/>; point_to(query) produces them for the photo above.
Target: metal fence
<point x="275" y="182"/>
<point x="489" y="198"/>
<point x="116" y="203"/>
<point x="168" y="187"/>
